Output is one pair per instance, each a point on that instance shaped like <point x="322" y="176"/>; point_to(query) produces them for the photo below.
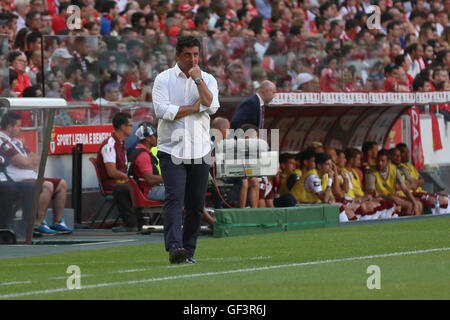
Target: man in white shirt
<point x="184" y="97"/>
<point x="22" y="7"/>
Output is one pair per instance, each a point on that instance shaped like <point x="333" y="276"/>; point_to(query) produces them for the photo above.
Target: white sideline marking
<point x="14" y="283"/>
<point x="196" y="275"/>
<point x="104" y="242"/>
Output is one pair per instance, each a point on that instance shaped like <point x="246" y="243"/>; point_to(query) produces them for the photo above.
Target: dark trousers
<point x="11" y="192"/>
<point x="122" y="197"/>
<point x="186" y="186"/>
<point x="287" y="200"/>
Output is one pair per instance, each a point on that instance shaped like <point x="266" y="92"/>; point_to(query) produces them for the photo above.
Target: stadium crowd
<point x="109" y="60"/>
<point x="118" y="48"/>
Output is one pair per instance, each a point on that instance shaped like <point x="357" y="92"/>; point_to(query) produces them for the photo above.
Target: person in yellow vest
<point x="414" y="180"/>
<point x="370" y="207"/>
<point x="383" y="180"/>
<point x="315" y="184"/>
<point x="289" y="174"/>
<point x="307" y="163"/>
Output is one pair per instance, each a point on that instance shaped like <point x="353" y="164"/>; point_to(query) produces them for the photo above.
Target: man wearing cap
<point x="304" y="82"/>
<point x="144" y="165"/>
<point x="186" y="10"/>
<point x="184" y="97"/>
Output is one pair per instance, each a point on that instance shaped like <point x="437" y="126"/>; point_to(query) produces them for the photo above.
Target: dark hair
<point x="383" y="152"/>
<point x="13" y="55"/>
<point x="63" y="6"/>
<point x="108" y="6"/>
<point x="13" y="75"/>
<point x="368" y="145"/>
<point x="77" y="92"/>
<point x="324" y="7"/>
<point x="241" y="13"/>
<point x="306" y="154"/>
<point x="285" y="157"/>
<point x="120" y="119"/>
<point x="136" y="17"/>
<point x="349" y="24"/>
<point x="391" y="152"/>
<point x="32" y="37"/>
<point x="321" y="158"/>
<point x="30" y="15"/>
<point x="401" y="145"/>
<point x="400" y="59"/>
<point x="200" y="18"/>
<point x="411" y="47"/>
<point x="10" y="119"/>
<point x="187" y="42"/>
<point x="418" y="82"/>
<point x="351" y="153"/>
<point x="31" y="92"/>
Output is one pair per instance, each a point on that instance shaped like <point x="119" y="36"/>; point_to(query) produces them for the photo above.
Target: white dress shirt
<point x="187" y="137"/>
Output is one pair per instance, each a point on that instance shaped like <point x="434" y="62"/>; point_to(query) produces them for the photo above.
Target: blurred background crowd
<point x="113" y="52"/>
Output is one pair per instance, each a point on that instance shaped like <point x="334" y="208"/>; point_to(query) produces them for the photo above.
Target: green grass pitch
<point x="413" y="259"/>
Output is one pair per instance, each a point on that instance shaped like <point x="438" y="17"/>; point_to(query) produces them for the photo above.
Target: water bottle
<point x="437" y="206"/>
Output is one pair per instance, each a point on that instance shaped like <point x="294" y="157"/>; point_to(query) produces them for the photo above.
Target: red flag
<point x="417" y="152"/>
<point x="437" y="143"/>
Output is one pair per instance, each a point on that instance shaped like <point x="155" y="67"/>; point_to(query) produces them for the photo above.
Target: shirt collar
<point x="5" y="136"/>
<point x="261" y="101"/>
<point x="140" y="145"/>
<point x="178" y="71"/>
<point x="117" y="139"/>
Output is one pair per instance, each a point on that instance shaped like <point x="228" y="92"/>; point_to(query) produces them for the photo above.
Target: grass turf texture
<point x="143" y="271"/>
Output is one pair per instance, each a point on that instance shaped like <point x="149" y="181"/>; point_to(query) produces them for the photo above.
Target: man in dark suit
<point x="251" y="110"/>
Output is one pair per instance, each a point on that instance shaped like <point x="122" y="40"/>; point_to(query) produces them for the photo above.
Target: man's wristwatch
<point x="198" y="81"/>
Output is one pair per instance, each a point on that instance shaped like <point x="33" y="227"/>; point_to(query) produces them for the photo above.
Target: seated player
<point x="315" y="184"/>
<point x="369" y="207"/>
<point x="415" y="182"/>
<point x="383" y="180"/>
<point x="23" y="166"/>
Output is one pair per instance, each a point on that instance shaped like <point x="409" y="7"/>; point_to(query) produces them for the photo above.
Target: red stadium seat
<point x="106" y="194"/>
<point x="141" y="202"/>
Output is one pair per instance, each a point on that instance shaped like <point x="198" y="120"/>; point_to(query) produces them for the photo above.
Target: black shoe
<point x="177" y="255"/>
<point x="125" y="229"/>
<point x="190" y="260"/>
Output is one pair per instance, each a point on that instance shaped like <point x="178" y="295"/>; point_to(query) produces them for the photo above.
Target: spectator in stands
<point x="22" y="7"/>
<point x="60" y="19"/>
<point x="329" y="77"/>
<point x="33" y="21"/>
<point x="383" y="179"/>
<point x="18" y="62"/>
<point x="391" y="75"/>
<point x="415" y="52"/>
<point x="110" y="12"/>
<point x="23" y="167"/>
<point x="112" y="165"/>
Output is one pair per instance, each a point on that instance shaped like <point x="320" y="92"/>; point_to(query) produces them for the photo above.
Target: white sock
<point x="343" y="217"/>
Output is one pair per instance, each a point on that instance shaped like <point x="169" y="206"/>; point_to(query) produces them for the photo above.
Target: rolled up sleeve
<point x="211" y="83"/>
<point x="160" y="95"/>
